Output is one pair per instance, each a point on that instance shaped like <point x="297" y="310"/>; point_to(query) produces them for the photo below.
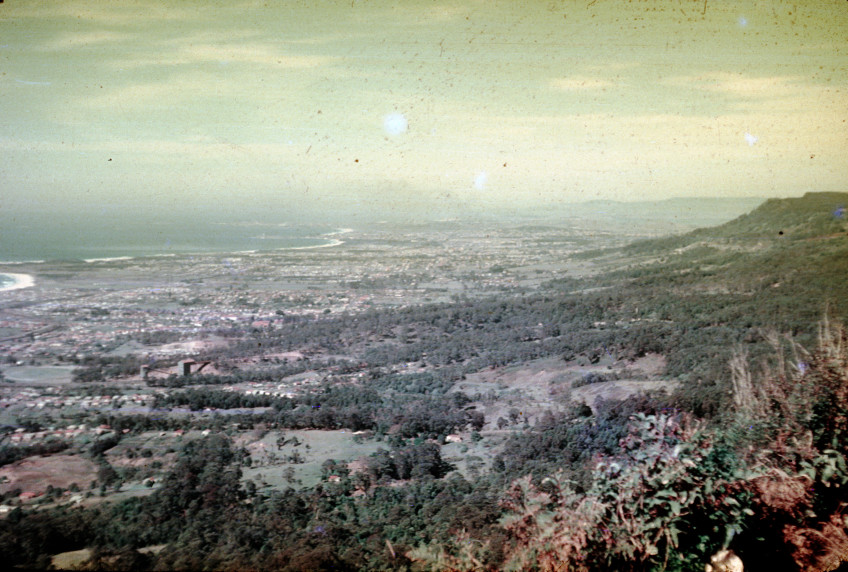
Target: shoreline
<point x="20" y="281"/>
<point x="107" y="259"/>
<point x="326" y="240"/>
<point x="330" y="244"/>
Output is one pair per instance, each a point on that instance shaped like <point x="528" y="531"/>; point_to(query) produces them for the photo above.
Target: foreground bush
<point x="769" y="482"/>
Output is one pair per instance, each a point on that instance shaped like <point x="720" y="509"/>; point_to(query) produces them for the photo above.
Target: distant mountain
<point x="685" y="211"/>
<point x="694" y="207"/>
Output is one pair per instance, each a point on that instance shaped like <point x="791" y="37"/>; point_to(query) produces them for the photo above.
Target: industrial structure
<point x="183" y="368"/>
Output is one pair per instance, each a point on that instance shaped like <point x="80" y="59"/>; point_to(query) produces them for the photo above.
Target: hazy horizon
<point x="106" y="233"/>
<point x="386" y="107"/>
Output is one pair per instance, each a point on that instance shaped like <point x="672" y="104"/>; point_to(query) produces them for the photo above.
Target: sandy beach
<point x="20" y="281"/>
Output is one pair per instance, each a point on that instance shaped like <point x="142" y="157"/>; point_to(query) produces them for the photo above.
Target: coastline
<point x="330" y="244"/>
<point x="107" y="259"/>
<point x="326" y="240"/>
<point x="20" y="281"/>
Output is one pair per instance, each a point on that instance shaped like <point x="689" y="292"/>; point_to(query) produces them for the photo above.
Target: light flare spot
<point x="395" y="124"/>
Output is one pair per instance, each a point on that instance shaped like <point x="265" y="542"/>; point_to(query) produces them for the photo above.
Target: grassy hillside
<point x="813" y="216"/>
<point x="785" y="261"/>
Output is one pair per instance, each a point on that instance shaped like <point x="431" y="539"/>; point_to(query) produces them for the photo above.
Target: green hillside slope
<point x="815" y="215"/>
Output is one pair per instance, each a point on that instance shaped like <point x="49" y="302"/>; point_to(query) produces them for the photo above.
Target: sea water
<point x="35" y="237"/>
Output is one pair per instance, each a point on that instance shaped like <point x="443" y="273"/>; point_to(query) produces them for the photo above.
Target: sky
<point x="405" y="105"/>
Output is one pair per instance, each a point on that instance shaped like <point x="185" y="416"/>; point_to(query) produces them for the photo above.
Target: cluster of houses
<point x="51" y="399"/>
<point x="98" y="324"/>
<point x="21" y="436"/>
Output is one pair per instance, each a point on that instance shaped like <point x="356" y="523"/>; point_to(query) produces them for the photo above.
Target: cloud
<point x="480" y="180"/>
<point x="782" y="96"/>
<point x="251" y="53"/>
<point x="741" y="85"/>
<point x="580" y="83"/>
<point x="248" y="52"/>
<point x="124" y="12"/>
<point x="86" y="39"/>
<point x="160" y="95"/>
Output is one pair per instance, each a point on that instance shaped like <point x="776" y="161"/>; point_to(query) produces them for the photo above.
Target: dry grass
<point x="36" y="473"/>
<point x="544" y="385"/>
<point x="70" y="560"/>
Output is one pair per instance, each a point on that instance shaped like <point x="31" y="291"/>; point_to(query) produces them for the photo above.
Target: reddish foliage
<point x="819" y="549"/>
<point x="777" y="492"/>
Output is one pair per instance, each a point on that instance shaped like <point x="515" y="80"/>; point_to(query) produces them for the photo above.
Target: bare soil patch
<point x="70" y="560"/>
<point x="618" y="390"/>
<point x="545" y="384"/>
<point x="649" y="364"/>
<point x="35" y="474"/>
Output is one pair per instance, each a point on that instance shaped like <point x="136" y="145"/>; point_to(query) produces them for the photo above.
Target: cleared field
<point x="144" y="449"/>
<point x="70" y="560"/>
<point x="40" y="374"/>
<point x="273" y="464"/>
<point x="530" y="389"/>
<point x="76" y="558"/>
<point x="618" y="390"/>
<point x="474" y="458"/>
<point x="34" y="474"/>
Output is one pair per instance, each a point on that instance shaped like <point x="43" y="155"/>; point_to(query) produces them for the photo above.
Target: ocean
<point x="34" y="237"/>
<point x="116" y="231"/>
